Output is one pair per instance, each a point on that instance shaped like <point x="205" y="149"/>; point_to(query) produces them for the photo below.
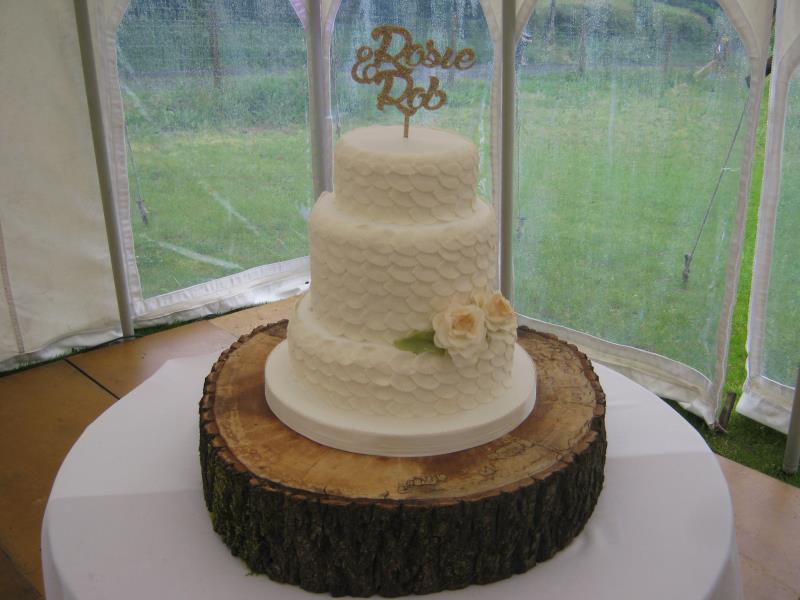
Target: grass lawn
<point x="614" y="183"/>
<point x="218" y="202"/>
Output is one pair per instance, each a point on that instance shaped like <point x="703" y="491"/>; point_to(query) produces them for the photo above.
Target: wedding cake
<point x="402" y="346"/>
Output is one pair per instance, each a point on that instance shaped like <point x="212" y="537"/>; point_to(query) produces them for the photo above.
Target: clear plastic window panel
<point x="627" y="110"/>
<point x="449" y="23"/>
<point x="215" y="96"/>
<point x="782" y="335"/>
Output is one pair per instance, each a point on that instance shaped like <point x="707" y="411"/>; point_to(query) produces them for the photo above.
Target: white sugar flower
<point x="461" y="330"/>
<point x="499" y="312"/>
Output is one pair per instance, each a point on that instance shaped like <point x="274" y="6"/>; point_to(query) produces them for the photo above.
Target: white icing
<point x="377" y="378"/>
<point x="378" y="282"/>
<point x="429" y="177"/>
<point x="309" y="411"/>
<point x="402" y="240"/>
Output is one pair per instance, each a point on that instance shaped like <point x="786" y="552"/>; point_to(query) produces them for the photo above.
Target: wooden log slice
<point x="333" y="521"/>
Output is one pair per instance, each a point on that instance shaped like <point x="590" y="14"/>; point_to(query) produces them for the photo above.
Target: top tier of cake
<point x="429" y="177"/>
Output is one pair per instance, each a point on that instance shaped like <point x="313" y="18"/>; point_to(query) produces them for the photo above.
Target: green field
<point x="218" y="202"/>
<point x="619" y="146"/>
<point x="610" y="210"/>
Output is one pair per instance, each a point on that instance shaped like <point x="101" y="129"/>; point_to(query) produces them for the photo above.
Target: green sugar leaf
<point x="419" y="342"/>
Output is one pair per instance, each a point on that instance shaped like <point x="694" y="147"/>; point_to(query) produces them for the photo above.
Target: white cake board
<point x="309" y="413"/>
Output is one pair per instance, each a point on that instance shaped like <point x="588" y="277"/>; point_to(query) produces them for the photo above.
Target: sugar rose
<point x="499" y="312"/>
<point x="461" y="330"/>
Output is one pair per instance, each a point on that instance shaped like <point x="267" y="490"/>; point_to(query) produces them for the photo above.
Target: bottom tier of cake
<point x="375" y="378"/>
<point x="310" y="411"/>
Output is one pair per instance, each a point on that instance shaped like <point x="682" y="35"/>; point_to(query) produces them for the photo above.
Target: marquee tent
<point x="633" y="256"/>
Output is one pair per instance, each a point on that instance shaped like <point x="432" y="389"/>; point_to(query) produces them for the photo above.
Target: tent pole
<point x="507" y="149"/>
<point x="316" y="108"/>
<point x="791" y="456"/>
<point x="103" y="168"/>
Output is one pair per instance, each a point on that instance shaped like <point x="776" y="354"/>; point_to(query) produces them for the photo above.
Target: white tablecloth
<point x="126" y="517"/>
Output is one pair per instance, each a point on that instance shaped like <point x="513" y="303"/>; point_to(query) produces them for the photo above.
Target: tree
<point x="213" y="43"/>
<point x="550" y="38"/>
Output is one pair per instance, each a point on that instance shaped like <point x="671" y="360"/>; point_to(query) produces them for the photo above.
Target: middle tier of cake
<point x="377" y="282"/>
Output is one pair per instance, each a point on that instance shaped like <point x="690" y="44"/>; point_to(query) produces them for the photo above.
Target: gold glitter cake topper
<point x="367" y="69"/>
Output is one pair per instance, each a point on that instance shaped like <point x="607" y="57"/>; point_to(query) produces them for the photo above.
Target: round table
<point x="126" y="517"/>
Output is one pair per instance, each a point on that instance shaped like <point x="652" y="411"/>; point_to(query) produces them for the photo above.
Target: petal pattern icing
<point x="403" y="237"/>
<point x="429" y="177"/>
<point x="377" y="378"/>
<point x="405" y="274"/>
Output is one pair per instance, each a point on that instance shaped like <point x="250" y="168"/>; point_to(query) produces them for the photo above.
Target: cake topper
<point x="367" y="69"/>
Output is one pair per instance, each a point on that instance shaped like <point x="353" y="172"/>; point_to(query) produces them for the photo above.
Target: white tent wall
<point x="753" y="21"/>
<point x="764" y="399"/>
<point x="58" y="290"/>
<point x="105" y="16"/>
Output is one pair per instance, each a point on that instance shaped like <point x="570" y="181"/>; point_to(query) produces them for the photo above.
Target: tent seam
<point x="12" y="309"/>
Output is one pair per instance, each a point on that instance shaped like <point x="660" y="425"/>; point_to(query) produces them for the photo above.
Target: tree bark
<point x="344" y="523"/>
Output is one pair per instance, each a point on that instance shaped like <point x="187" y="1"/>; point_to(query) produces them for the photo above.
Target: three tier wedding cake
<point x="402" y="346"/>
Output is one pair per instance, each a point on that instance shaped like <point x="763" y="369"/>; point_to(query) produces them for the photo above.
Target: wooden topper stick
<point x="369" y="69"/>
